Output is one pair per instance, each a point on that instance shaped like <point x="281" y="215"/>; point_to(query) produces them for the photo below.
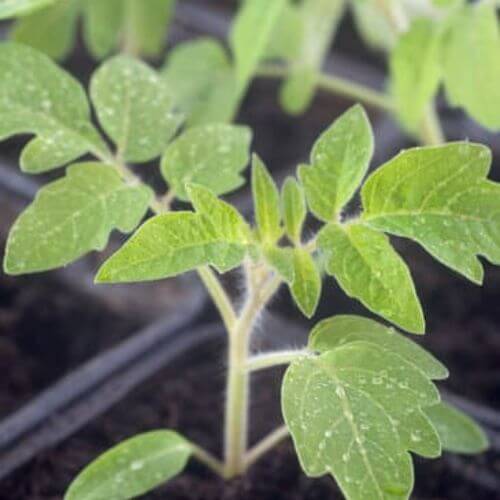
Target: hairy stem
<point x="268" y="360"/>
<point x="267" y="444"/>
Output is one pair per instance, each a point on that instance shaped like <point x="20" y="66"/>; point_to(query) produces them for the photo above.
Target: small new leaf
<point x="134" y="108"/>
<point x="73" y="216"/>
<point x="368" y="268"/>
<point x="210" y="155"/>
<point x="294" y="209"/>
<point x="440" y="197"/>
<point x="266" y="202"/>
<point x="132" y="468"/>
<point x="306" y="285"/>
<point x="458" y="432"/>
<point x="53" y="106"/>
<point x="339" y="161"/>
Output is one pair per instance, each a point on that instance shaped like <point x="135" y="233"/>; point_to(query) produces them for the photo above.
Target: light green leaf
<point x="134" y="108"/>
<point x="416" y="71"/>
<point x="458" y="432"/>
<point x="281" y="260"/>
<point x="339" y="161"/>
<point x="202" y="81"/>
<point x="37" y="97"/>
<point x="440" y="197"/>
<point x="286" y="38"/>
<point x="177" y="242"/>
<point x="13" y="8"/>
<point x="294" y="209"/>
<point x="51" y="30"/>
<point x="266" y="201"/>
<point x="472" y="63"/>
<point x="339" y="330"/>
<point x="251" y="34"/>
<point x="73" y="216"/>
<point x="368" y="268"/>
<point x="132" y="468"/>
<point x="210" y="155"/>
<point x="306" y="285"/>
<point x="320" y="19"/>
<point x="341" y="409"/>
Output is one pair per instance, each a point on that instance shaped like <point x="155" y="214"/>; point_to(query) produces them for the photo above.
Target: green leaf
<point x="294" y="209"/>
<point x="342" y="409"/>
<point x="202" y="81"/>
<point x="132" y="468"/>
<point x="266" y="200"/>
<point x="440" y="197"/>
<point x="339" y="161"/>
<point x="416" y="71"/>
<point x="281" y="260"/>
<point x="134" y="108"/>
<point x="210" y="155"/>
<point x="251" y="34"/>
<point x="13" y="8"/>
<point x="306" y="285"/>
<point x="39" y="98"/>
<point x="368" y="268"/>
<point x="286" y="38"/>
<point x="458" y="432"/>
<point x="339" y="330"/>
<point x="73" y="216"/>
<point x="320" y="19"/>
<point x="177" y="242"/>
<point x="472" y="63"/>
<point x="51" y="30"/>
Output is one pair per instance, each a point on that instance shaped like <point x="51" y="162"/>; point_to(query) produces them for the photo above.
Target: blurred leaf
<point x="132" y="468"/>
<point x="72" y="216"/>
<point x="134" y="108"/>
<point x="13" y="8"/>
<point x="294" y="209"/>
<point x="210" y="155"/>
<point x="287" y="36"/>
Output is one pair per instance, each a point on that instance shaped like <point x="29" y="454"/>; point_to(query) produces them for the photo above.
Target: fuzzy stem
<point x="271" y="359"/>
<point x="267" y="444"/>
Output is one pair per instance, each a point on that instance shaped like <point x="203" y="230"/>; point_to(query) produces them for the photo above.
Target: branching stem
<point x="267" y="444"/>
<point x="208" y="459"/>
<point x="271" y="359"/>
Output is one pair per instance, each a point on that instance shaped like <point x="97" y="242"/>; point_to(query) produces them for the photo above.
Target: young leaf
<point x="306" y="284"/>
<point x="341" y="407"/>
<point x="416" y="71"/>
<point x="134" y="108"/>
<point x="12" y="8"/>
<point x="294" y="209"/>
<point x="368" y="268"/>
<point x="287" y="36"/>
<point x="458" y="432"/>
<point x="202" y="81"/>
<point x="472" y="63"/>
<point x="51" y="30"/>
<point x="266" y="202"/>
<point x="439" y="197"/>
<point x="52" y="105"/>
<point x="177" y="242"/>
<point x="132" y="468"/>
<point x="251" y="35"/>
<point x="211" y="155"/>
<point x="339" y="161"/>
<point x="73" y="216"/>
<point x="339" y="330"/>
<point x="281" y="260"/>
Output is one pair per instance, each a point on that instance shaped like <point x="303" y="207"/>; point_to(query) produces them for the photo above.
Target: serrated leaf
<point x="134" y="108"/>
<point x="53" y="106"/>
<point x="13" y="8"/>
<point x="73" y="216"/>
<point x="341" y="409"/>
<point x="177" y="242"/>
<point x="251" y="34"/>
<point x="439" y="197"/>
<point x="339" y="161"/>
<point x="202" y="81"/>
<point x="51" y="30"/>
<point x="339" y="330"/>
<point x="132" y="468"/>
<point x="416" y="71"/>
<point x="366" y="266"/>
<point x="266" y="200"/>
<point x="472" y="63"/>
<point x="457" y="431"/>
<point x="306" y="285"/>
<point x="294" y="209"/>
<point x="210" y="155"/>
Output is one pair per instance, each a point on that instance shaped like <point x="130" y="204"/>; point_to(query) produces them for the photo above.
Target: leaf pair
<point x="357" y="408"/>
